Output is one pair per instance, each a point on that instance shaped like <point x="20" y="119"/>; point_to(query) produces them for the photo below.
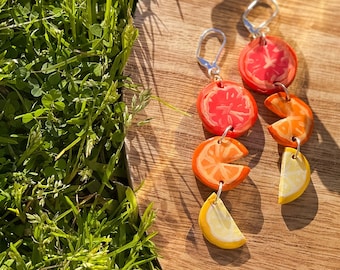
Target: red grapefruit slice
<point x="261" y="65"/>
<point x="223" y="104"/>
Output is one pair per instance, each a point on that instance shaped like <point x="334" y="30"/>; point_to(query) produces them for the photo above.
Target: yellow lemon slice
<point x="295" y="175"/>
<point x="217" y="225"/>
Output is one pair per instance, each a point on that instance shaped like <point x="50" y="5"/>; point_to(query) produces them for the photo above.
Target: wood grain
<point x="301" y="235"/>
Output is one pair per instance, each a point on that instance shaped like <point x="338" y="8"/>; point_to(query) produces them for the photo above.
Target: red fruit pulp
<point x="223" y="104"/>
<point x="265" y="62"/>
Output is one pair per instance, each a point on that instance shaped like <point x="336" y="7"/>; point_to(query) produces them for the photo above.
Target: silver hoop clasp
<point x="213" y="68"/>
<point x="259" y="30"/>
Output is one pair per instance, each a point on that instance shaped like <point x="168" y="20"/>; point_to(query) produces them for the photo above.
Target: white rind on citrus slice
<point x="218" y="226"/>
<point x="295" y="175"/>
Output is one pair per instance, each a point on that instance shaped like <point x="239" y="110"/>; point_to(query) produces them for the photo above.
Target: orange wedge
<point x="211" y="162"/>
<point x="297" y="119"/>
<point x="218" y="226"/>
<point x="295" y="175"/>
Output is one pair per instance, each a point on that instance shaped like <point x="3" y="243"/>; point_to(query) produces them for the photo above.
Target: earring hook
<point x="213" y="68"/>
<point x="258" y="31"/>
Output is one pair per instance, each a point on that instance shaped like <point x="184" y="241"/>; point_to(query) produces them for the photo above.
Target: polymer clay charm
<point x="218" y="226"/>
<point x="297" y="119"/>
<point x="212" y="162"/>
<point x="295" y="175"/>
<point x="265" y="61"/>
<point x="224" y="103"/>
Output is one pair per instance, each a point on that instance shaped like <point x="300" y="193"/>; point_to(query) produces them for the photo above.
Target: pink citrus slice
<point x="261" y="64"/>
<point x="223" y="104"/>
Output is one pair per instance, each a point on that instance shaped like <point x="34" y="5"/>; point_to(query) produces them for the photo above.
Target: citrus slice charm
<point x="224" y="103"/>
<point x="211" y="162"/>
<point x="295" y="175"/>
<point x="265" y="61"/>
<point x="218" y="226"/>
<point x="297" y="119"/>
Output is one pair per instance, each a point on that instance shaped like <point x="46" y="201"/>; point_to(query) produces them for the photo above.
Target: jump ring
<point x="229" y="128"/>
<point x="284" y="89"/>
<point x="219" y="191"/>
<point x="298" y="146"/>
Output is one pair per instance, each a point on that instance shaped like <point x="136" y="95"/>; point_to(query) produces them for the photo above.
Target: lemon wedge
<point x="218" y="226"/>
<point x="295" y="175"/>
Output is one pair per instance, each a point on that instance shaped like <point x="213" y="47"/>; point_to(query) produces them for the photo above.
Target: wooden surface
<point x="304" y="234"/>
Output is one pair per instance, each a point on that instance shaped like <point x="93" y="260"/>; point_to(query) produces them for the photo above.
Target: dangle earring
<point x="266" y="60"/>
<point x="228" y="111"/>
<point x="268" y="65"/>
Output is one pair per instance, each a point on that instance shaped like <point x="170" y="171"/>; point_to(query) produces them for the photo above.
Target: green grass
<point x="62" y="130"/>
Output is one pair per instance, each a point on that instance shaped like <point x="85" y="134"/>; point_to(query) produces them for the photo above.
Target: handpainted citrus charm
<point x="265" y="61"/>
<point x="224" y="103"/>
<point x="297" y="119"/>
<point x="212" y="159"/>
<point x="218" y="226"/>
<point x="295" y="175"/>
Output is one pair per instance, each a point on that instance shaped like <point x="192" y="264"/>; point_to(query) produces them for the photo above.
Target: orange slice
<point x="218" y="226"/>
<point x="297" y="119"/>
<point x="295" y="175"/>
<point x="211" y="162"/>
